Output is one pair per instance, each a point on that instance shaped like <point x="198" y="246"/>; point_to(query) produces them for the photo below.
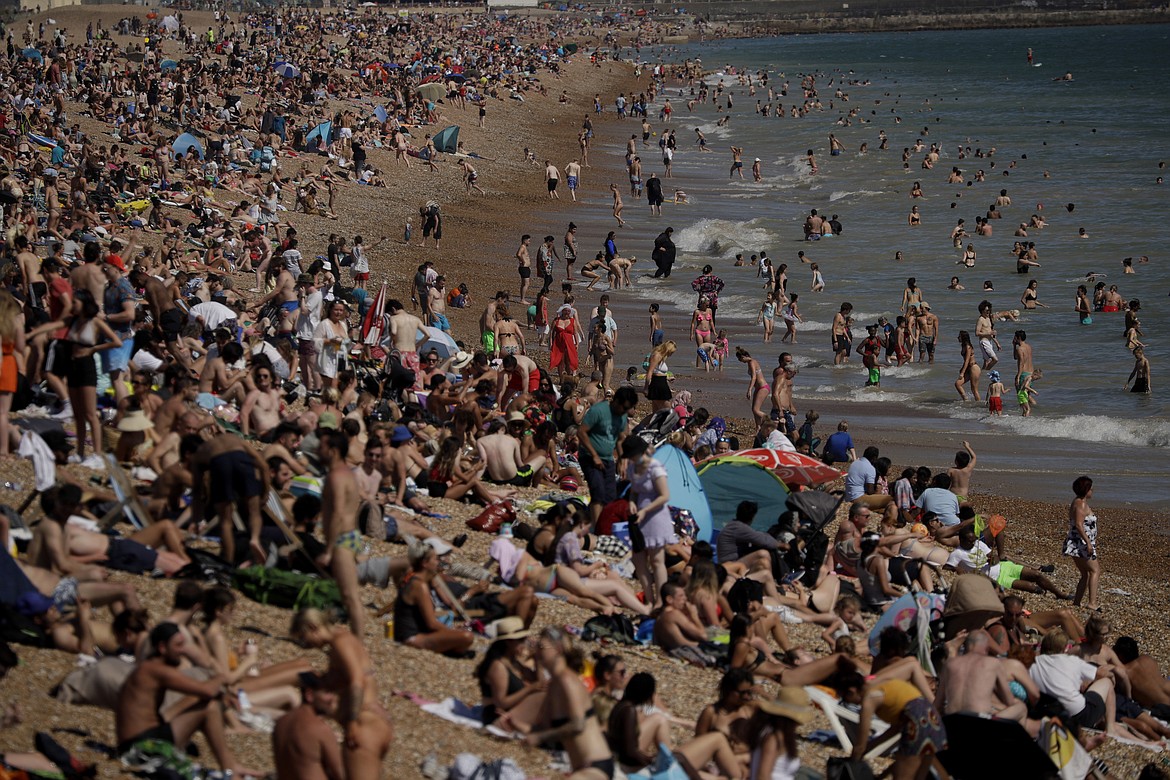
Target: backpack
<point x="206" y="567"/>
<point x="616" y="628"/>
<point x="287" y="589"/>
<point x="490" y="519"/>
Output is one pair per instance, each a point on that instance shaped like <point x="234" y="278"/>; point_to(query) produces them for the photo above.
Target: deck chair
<point x="845" y="721"/>
<point x="128" y="503"/>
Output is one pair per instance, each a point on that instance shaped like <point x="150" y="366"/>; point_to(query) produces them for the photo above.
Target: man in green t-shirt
<point x="601" y="433"/>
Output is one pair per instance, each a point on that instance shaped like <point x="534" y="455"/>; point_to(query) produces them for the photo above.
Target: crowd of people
<point x="274" y="404"/>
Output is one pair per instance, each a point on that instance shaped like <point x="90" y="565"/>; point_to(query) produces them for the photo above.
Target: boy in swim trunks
<point x="995" y="392"/>
<point x="1025" y="394"/>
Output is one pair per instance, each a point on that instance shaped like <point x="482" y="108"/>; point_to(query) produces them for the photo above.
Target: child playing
<point x="767" y="316"/>
<point x="406" y="232"/>
<point x="1026" y="395"/>
<point x="818" y="281"/>
<point x="706" y="353"/>
<point x="995" y="391"/>
<point x="722" y="348"/>
<point x="869" y="349"/>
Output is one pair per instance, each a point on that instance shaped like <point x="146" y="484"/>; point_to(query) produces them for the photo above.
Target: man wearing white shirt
<point x="211" y="315"/>
<point x="1064" y="677"/>
<point x="308" y="317"/>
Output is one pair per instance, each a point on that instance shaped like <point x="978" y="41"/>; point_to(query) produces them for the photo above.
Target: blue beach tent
<point x="686" y="491"/>
<point x="731" y="479"/>
<point x="447" y="140"/>
<point x="322" y="131"/>
<point x="185" y="142"/>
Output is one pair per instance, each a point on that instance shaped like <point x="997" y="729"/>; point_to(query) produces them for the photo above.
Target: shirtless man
<point x="552" y="177"/>
<point x="437" y="304"/>
<point x="961" y="472"/>
<point x="678" y="625"/>
<point x="573" y="178"/>
<point x="1022" y="351"/>
<point x="66" y="547"/>
<point x="226" y="472"/>
<point x="339" y="511"/>
<point x="1149" y="687"/>
<point x="286" y="439"/>
<point x="174" y="482"/>
<point x="926" y="326"/>
<point x="406" y="335"/>
<point x="88" y="275"/>
<point x="184" y="391"/>
<point x="736" y="162"/>
<point x="977" y="682"/>
<point x="985" y="333"/>
<point x="487" y="322"/>
<point x="399" y="461"/>
<point x="501" y="455"/>
<point x="285" y="295"/>
<point x="35" y="289"/>
<point x="220" y="376"/>
<point x="260" y="412"/>
<point x="524" y="266"/>
<point x="841" y="334"/>
<point x="167" y="316"/>
<point x="303" y="744"/>
<point x="165" y="453"/>
<point x="782" y="405"/>
<point x="137" y="716"/>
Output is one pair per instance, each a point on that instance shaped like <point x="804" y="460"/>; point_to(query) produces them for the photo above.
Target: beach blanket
<point x="460" y="713"/>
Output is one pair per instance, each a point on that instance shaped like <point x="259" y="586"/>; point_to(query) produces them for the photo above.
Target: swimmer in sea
<point x="1140" y="375"/>
<point x="736" y="162"/>
<point x="914" y="219"/>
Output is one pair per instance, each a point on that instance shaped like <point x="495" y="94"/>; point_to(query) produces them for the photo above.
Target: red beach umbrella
<point x="793" y="468"/>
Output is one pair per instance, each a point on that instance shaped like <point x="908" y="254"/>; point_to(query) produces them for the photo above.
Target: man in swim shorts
<point x="553" y="176"/>
<point x="985" y="332"/>
<point x="974" y="555"/>
<point x="227" y="473"/>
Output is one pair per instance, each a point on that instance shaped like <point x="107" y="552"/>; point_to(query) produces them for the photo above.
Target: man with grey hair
<point x="978" y="682"/>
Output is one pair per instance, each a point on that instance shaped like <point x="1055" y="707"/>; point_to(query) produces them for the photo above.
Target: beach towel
<point x="459" y="712"/>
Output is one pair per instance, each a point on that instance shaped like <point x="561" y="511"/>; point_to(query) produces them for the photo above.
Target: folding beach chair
<point x="845" y="722"/>
<point x="128" y="503"/>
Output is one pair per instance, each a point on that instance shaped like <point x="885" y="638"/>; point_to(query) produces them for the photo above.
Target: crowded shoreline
<point x="480" y="227"/>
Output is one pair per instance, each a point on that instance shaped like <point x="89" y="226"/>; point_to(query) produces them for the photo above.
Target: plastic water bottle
<point x="506" y="530"/>
<point x="245" y="702"/>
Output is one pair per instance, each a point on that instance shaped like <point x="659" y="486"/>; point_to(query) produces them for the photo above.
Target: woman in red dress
<point x="563" y="353"/>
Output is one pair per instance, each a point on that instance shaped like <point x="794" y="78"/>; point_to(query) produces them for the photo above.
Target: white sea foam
<point x="839" y="194"/>
<point x="1079" y="427"/>
<point x="722" y="238"/>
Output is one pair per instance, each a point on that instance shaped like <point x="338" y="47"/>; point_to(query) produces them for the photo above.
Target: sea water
<point x="1099" y="138"/>
<point x="1094" y="142"/>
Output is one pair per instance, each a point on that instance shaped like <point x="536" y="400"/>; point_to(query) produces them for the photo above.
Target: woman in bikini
<point x="758" y="389"/>
<point x="702" y="327"/>
<point x="791" y="316"/>
<point x="368" y="732"/>
<point x="1029" y="298"/>
<point x="509" y="338"/>
<point x="969" y="373"/>
<point x="568" y="711"/>
<point x="513" y="691"/>
<point x="517" y="567"/>
<point x="754" y="655"/>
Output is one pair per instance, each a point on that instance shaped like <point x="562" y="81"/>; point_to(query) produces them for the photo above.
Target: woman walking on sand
<point x="1081" y="542"/>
